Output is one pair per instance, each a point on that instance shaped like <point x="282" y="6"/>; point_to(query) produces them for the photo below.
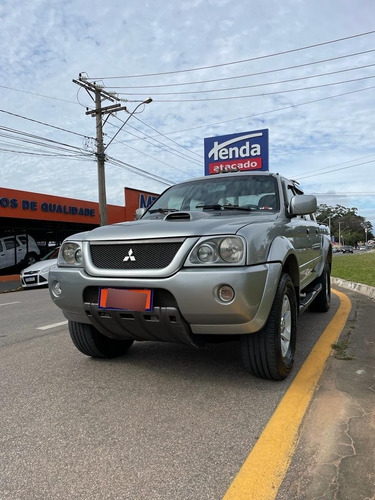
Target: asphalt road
<point x="163" y="422"/>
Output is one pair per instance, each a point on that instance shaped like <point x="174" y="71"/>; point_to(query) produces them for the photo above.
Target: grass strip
<point x="357" y="267"/>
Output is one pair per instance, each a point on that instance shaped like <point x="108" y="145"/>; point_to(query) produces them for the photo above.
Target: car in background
<point x="37" y="274"/>
<point x="347" y="249"/>
<point x="18" y="250"/>
<point x="362" y="248"/>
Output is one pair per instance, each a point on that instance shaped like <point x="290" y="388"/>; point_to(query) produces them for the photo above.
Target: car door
<point x="3" y="262"/>
<point x="13" y="250"/>
<point x="305" y="238"/>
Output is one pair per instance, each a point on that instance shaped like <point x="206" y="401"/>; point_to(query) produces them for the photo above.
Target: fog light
<point x="226" y="293"/>
<point x="56" y="288"/>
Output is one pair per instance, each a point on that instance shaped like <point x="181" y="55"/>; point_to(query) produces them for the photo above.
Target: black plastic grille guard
<point x="164" y="324"/>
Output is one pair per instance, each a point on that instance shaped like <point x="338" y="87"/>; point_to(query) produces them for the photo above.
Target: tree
<point x="346" y="225"/>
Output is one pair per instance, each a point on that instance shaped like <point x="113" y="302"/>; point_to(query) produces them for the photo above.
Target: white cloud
<point x="45" y="44"/>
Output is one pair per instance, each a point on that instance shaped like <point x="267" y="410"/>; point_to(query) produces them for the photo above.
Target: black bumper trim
<point x="164" y="324"/>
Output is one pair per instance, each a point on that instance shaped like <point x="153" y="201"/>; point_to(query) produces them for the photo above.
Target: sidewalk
<point x="10" y="283"/>
<point x="335" y="454"/>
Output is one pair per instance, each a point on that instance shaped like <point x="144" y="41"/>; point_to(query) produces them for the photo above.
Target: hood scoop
<point x="180" y="216"/>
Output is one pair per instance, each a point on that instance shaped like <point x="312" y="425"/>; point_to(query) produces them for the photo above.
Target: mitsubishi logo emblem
<point x="130" y="256"/>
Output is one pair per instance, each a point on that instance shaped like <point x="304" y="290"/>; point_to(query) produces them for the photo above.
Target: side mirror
<point x="303" y="204"/>
<point x="139" y="212"/>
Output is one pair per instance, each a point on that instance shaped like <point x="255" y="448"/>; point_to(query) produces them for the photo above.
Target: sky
<point x="304" y="70"/>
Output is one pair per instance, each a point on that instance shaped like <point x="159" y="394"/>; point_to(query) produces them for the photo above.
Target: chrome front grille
<point x="134" y="255"/>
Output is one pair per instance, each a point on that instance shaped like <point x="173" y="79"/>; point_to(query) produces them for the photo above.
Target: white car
<point x="37" y="274"/>
<point x="17" y="250"/>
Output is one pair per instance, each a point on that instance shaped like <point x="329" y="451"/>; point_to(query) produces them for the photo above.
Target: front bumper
<point x="33" y="280"/>
<point x="191" y="293"/>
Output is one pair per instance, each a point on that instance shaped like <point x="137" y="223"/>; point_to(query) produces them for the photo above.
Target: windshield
<point x="52" y="254"/>
<point x="245" y="193"/>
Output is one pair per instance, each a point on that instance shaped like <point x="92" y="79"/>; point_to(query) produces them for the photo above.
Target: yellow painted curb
<point x="264" y="469"/>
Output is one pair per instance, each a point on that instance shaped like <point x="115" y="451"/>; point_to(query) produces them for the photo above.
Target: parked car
<point x="362" y="248"/>
<point x="37" y="274"/>
<point x="20" y="249"/>
<point x="347" y="249"/>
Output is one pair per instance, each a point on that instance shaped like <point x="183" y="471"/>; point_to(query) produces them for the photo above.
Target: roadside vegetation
<point x="357" y="267"/>
<point x="346" y="226"/>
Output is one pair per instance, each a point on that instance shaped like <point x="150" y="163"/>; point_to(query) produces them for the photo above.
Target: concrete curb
<point x="367" y="290"/>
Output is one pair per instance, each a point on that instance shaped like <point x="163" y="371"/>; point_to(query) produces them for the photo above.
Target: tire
<point x="269" y="353"/>
<point x="91" y="342"/>
<point x="30" y="259"/>
<point x="322" y="302"/>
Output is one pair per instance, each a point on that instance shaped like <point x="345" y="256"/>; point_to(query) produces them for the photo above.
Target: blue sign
<point x="239" y="152"/>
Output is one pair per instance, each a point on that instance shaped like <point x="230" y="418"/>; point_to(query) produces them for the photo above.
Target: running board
<point x="310" y="296"/>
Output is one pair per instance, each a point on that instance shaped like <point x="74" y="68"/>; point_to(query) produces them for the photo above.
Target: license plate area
<point x="126" y="299"/>
<point x="31" y="279"/>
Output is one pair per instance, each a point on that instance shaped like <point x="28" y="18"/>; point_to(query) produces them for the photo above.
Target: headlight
<point x="207" y="253"/>
<point x="231" y="250"/>
<point x="70" y="254"/>
<point x="222" y="250"/>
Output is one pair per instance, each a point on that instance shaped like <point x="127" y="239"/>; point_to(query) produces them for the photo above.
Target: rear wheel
<point x="269" y="353"/>
<point x="91" y="342"/>
<point x="322" y="302"/>
<point x="30" y="259"/>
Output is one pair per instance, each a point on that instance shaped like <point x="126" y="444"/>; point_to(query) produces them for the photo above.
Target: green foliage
<point x="347" y="226"/>
<point x="357" y="267"/>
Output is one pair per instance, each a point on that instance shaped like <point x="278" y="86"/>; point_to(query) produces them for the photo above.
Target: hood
<point x="178" y="224"/>
<point x="39" y="265"/>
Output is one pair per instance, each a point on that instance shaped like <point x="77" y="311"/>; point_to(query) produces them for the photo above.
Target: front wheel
<point x="269" y="353"/>
<point x="91" y="342"/>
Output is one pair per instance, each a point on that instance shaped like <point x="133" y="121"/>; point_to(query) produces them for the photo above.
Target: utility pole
<point x="98" y="94"/>
<point x="100" y="160"/>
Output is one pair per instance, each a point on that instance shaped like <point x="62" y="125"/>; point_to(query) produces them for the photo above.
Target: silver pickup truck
<point x="225" y="257"/>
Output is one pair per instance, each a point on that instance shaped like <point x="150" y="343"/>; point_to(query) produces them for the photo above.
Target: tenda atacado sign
<point x="236" y="152"/>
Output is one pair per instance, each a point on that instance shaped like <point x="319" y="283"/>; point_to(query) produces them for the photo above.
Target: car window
<point x="52" y="254"/>
<point x="1" y="247"/>
<point x="10" y="243"/>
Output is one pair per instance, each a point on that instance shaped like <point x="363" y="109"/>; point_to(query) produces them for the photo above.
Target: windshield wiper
<point x="225" y="207"/>
<point x="162" y="210"/>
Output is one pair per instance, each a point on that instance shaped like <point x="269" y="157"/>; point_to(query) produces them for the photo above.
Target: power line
<point x="38" y="95"/>
<point x="139" y="171"/>
<point x="273" y="70"/>
<point x="255" y="85"/>
<point x="169" y="139"/>
<point x="312" y="87"/>
<point x="9" y="131"/>
<point x="336" y="169"/>
<point x="44" y="155"/>
<point x="344" y="194"/>
<point x="290" y="51"/>
<point x="150" y="156"/>
<point x="338" y="164"/>
<point x="46" y="124"/>
<point x="159" y="144"/>
<point x="35" y="145"/>
<point x="261" y="113"/>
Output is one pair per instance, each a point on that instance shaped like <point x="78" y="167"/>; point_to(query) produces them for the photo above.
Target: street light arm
<point x="147" y="101"/>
